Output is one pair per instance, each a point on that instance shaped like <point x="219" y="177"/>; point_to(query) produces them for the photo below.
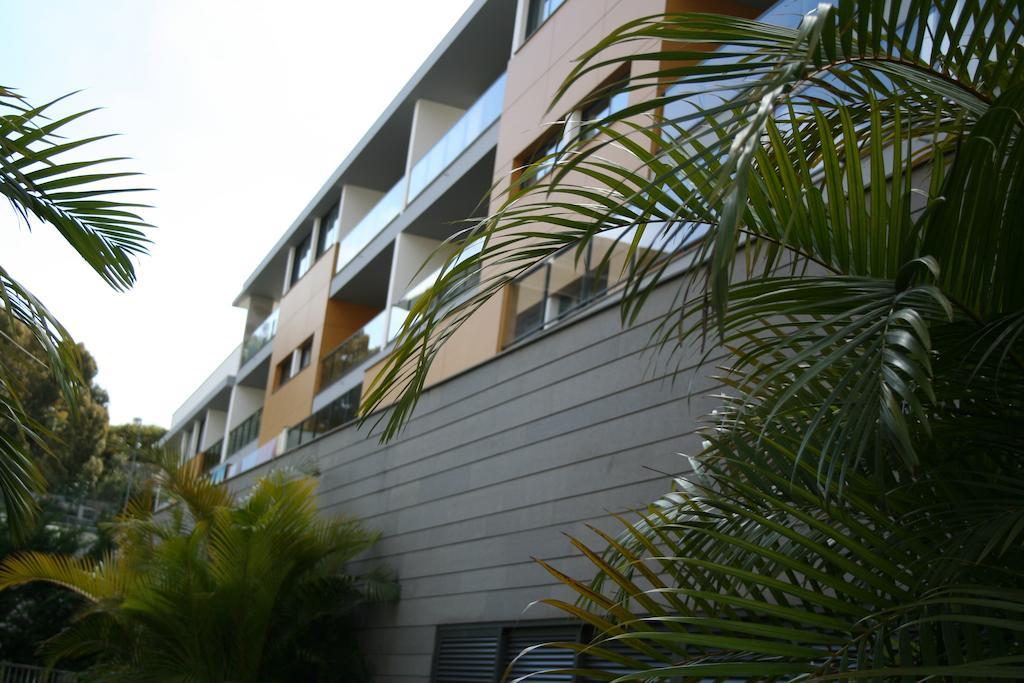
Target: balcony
<point x="478" y="118"/>
<point x="351" y="353"/>
<point x="568" y="281"/>
<point x="260" y="337"/>
<point x="340" y="411"/>
<point x="466" y="284"/>
<point x="378" y="218"/>
<point x="245" y="433"/>
<point x="211" y="456"/>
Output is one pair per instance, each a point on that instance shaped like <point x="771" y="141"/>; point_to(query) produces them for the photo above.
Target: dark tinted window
<point x="600" y="110"/>
<point x="538" y="13"/>
<point x="305" y="354"/>
<point x="328" y="230"/>
<point x="303" y="258"/>
<point x="284" y="371"/>
<point x="541" y="161"/>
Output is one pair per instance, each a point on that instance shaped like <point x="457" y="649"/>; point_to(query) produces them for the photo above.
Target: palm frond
<point x="44" y="180"/>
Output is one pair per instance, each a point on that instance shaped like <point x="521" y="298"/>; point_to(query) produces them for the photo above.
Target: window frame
<point x="289" y="367"/>
<point x="598" y="110"/>
<point x="305" y="355"/>
<point x="574" y="127"/>
<point x="548" y="146"/>
<point x="540" y="17"/>
<point x="284" y="371"/>
<point x="297" y="260"/>
<point x="332" y="218"/>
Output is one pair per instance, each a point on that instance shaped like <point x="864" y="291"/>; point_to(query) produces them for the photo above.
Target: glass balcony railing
<point x="245" y="433"/>
<point x="340" y="411"/>
<point x="211" y="456"/>
<point x="478" y="118"/>
<point x="349" y="354"/>
<point x="260" y="337"/>
<point x="385" y="211"/>
<point x="567" y="281"/>
<point x="400" y="311"/>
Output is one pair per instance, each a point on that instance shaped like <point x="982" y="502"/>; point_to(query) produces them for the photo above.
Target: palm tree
<point x="836" y="206"/>
<point x="45" y="179"/>
<point x="216" y="589"/>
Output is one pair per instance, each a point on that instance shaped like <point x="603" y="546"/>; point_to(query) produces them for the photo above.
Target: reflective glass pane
<point x="378" y="218"/>
<point x="303" y="258"/>
<point x="529" y="301"/>
<point x="328" y="230"/>
<point x="461" y="135"/>
<point x="565" y="284"/>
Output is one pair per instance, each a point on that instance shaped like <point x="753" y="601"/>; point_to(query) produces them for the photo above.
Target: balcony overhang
<point x="469" y="58"/>
<point x="438" y="212"/>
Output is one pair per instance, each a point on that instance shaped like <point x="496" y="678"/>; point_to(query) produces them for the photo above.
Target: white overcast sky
<point x="237" y="111"/>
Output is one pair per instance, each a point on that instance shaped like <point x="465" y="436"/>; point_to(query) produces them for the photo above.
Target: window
<point x="538" y="12"/>
<point x="305" y="354"/>
<point x="568" y="280"/>
<point x="480" y="654"/>
<point x="539" y="163"/>
<point x="296" y="361"/>
<point x="284" y="371"/>
<point x="303" y="258"/>
<point x="599" y="110"/>
<point x="200" y="429"/>
<point x="245" y="433"/>
<point x="340" y="411"/>
<point x="328" y="231"/>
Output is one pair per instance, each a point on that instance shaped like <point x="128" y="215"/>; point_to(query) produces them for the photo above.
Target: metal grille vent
<point x="542" y="658"/>
<point x="466" y="659"/>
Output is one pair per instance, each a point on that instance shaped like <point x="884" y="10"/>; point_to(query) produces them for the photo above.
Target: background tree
<point x="82" y="456"/>
<point x="47" y="180"/>
<point x="124" y="444"/>
<point x="73" y="436"/>
<point x="31" y="614"/>
<point x="848" y="192"/>
<point x="217" y="589"/>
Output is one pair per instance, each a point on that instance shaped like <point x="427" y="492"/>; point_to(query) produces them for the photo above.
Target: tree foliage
<point x="73" y="437"/>
<point x="31" y="614"/>
<point x="46" y="179"/>
<point x="836" y="205"/>
<point x="216" y="589"/>
<point x="81" y="454"/>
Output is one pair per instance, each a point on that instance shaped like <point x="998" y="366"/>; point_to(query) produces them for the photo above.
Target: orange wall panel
<point x="306" y="311"/>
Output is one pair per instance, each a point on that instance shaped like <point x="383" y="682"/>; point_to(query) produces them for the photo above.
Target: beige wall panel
<point x="288" y="405"/>
<point x="536" y="71"/>
<point x="538" y="68"/>
<point x="303" y="314"/>
<point x="476" y="341"/>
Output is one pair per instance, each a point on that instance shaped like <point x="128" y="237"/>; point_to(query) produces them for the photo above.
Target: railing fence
<point x="26" y="673"/>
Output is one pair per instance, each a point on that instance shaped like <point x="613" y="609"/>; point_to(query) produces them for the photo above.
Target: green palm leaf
<point x="45" y="180"/>
<point x="834" y="206"/>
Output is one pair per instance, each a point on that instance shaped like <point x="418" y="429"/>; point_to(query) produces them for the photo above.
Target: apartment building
<point x="541" y="415"/>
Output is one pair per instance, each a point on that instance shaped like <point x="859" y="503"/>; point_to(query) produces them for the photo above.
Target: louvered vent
<point x="542" y="658"/>
<point x="621" y="648"/>
<point x="466" y="658"/>
<point x="646" y="661"/>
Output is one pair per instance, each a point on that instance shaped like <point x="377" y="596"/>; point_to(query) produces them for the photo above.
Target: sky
<point x="236" y="111"/>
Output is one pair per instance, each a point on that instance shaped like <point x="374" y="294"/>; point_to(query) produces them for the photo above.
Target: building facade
<point x="541" y="414"/>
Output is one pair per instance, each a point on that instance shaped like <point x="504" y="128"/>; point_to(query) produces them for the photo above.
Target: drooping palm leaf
<point x="835" y="204"/>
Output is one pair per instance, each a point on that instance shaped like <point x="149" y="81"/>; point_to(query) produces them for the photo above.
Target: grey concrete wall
<point x="497" y="465"/>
